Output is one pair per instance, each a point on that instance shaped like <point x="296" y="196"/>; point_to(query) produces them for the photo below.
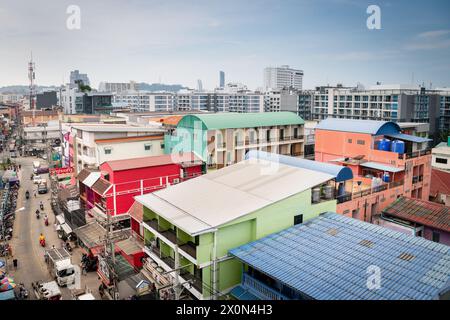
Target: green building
<point x="222" y="139"/>
<point x="191" y="226"/>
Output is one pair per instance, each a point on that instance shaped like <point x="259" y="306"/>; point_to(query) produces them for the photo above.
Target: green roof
<point x="243" y="120"/>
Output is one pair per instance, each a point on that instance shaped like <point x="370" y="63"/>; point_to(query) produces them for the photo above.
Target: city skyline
<point x="176" y="42"/>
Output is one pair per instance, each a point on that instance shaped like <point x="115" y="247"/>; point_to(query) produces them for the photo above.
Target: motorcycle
<point x="68" y="247"/>
<point x="27" y="195"/>
<point x="42" y="206"/>
<point x="42" y="242"/>
<point x="37" y="215"/>
<point x="23" y="292"/>
<point x="46" y="222"/>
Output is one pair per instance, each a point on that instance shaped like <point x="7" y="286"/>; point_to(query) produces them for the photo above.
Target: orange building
<point x="386" y="164"/>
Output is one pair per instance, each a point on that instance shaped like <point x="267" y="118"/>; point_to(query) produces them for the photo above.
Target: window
<point x="361" y="142"/>
<point x="441" y="160"/>
<point x="298" y="219"/>
<point x="147" y="147"/>
<point x="355" y="213"/>
<point x="296" y="133"/>
<point x="436" y="236"/>
<point x="349" y="140"/>
<point x="108" y="150"/>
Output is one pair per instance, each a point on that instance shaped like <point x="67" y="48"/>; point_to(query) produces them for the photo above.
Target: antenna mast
<point x="31" y="77"/>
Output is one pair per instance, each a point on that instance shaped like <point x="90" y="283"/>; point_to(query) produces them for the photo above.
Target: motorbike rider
<point x="27" y="194"/>
<point x="37" y="211"/>
<point x="41" y="238"/>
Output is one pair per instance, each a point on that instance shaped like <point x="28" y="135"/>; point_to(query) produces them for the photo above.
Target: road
<point x="27" y="229"/>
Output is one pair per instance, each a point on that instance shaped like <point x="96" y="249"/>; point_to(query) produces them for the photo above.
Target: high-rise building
<point x="222" y="79"/>
<point x="281" y="100"/>
<point x="117" y="87"/>
<point x="283" y="77"/>
<point x="77" y="76"/>
<point x="199" y="85"/>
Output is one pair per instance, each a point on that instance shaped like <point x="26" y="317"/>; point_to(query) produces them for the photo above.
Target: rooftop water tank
<point x="328" y="190"/>
<point x="384" y="145"/>
<point x="315" y="195"/>
<point x="398" y="146"/>
<point x="386" y="177"/>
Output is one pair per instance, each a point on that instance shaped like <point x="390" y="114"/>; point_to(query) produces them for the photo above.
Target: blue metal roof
<point x="408" y="137"/>
<point x="359" y="126"/>
<point x="242" y="294"/>
<point x="381" y="166"/>
<point x="333" y="265"/>
<point x="340" y="172"/>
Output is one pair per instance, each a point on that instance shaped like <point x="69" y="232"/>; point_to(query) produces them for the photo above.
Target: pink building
<point x="386" y="164"/>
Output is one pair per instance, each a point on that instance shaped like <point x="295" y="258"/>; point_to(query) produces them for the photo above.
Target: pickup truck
<point x="60" y="266"/>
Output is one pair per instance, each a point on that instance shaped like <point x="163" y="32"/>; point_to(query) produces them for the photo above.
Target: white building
<point x="117" y="87"/>
<point x="96" y="143"/>
<point x="441" y="156"/>
<point x="281" y="100"/>
<point x="142" y="101"/>
<point x="281" y="77"/>
<point x="11" y="97"/>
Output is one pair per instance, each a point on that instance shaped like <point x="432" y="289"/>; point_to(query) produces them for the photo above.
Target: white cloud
<point x="433" y="34"/>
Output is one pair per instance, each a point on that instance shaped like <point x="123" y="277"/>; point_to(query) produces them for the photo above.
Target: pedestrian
<point x="15" y="264"/>
<point x="35" y="193"/>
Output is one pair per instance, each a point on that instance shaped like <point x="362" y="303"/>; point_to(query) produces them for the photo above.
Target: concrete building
<point x="283" y="77"/>
<point x="399" y="103"/>
<point x="425" y="219"/>
<point x="38" y="139"/>
<point x="77" y="76"/>
<point x="222" y="139"/>
<point x="444" y="104"/>
<point x="145" y="101"/>
<point x="386" y="164"/>
<point x="10" y="97"/>
<point x="196" y="222"/>
<point x="93" y="144"/>
<point x="118" y="87"/>
<point x="441" y="156"/>
<point x="281" y="100"/>
<point x="332" y="257"/>
<point x="74" y="101"/>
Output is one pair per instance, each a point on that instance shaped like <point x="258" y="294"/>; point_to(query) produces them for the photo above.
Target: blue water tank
<point x="384" y="145"/>
<point x="398" y="146"/>
<point x="341" y="189"/>
<point x="386" y="177"/>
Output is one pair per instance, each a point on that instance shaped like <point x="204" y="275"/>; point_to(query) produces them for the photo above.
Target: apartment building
<point x="76" y="76"/>
<point x="222" y="139"/>
<point x="281" y="100"/>
<point x="10" y="97"/>
<point x="283" y="77"/>
<point x="38" y="139"/>
<point x="142" y="101"/>
<point x="386" y="164"/>
<point x="74" y="101"/>
<point x="196" y="222"/>
<point x="399" y="103"/>
<point x="444" y="104"/>
<point x="93" y="144"/>
<point x="118" y="87"/>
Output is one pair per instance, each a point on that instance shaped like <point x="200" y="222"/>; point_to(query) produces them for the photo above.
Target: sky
<point x="173" y="41"/>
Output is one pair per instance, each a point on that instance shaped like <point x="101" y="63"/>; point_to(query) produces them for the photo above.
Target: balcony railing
<point x="416" y="179"/>
<point x="348" y="196"/>
<point x="260" y="289"/>
<point x="415" y="154"/>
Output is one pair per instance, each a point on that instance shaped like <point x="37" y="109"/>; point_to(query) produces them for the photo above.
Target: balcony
<point x="417" y="179"/>
<point x="260" y="289"/>
<point x="410" y="155"/>
<point x="348" y="196"/>
<point x="221" y="145"/>
<point x="239" y="143"/>
<point x="190" y="249"/>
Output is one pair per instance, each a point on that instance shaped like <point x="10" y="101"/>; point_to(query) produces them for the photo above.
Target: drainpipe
<point x="115" y="204"/>
<point x="214" y="266"/>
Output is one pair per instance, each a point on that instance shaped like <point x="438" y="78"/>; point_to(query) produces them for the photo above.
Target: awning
<point x="381" y="166"/>
<point x="130" y="246"/>
<point x="60" y="218"/>
<point x="66" y="228"/>
<point x="408" y="137"/>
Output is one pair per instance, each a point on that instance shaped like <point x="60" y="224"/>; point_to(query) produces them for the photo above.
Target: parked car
<point x="37" y="179"/>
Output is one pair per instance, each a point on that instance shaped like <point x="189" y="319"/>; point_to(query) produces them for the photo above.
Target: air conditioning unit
<point x="176" y="181"/>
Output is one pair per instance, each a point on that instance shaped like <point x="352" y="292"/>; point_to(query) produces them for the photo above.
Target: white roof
<point x="92" y="178"/>
<point x="202" y="204"/>
<point x="102" y="127"/>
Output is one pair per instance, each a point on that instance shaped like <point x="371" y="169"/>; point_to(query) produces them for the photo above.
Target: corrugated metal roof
<point x="359" y="126"/>
<point x="329" y="267"/>
<point x="101" y="186"/>
<point x="381" y="166"/>
<point x="244" y="120"/>
<point x="341" y="173"/>
<point x="92" y="178"/>
<point x="426" y="213"/>
<point x="408" y="137"/>
<point x="152" y="161"/>
<point x="217" y="198"/>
